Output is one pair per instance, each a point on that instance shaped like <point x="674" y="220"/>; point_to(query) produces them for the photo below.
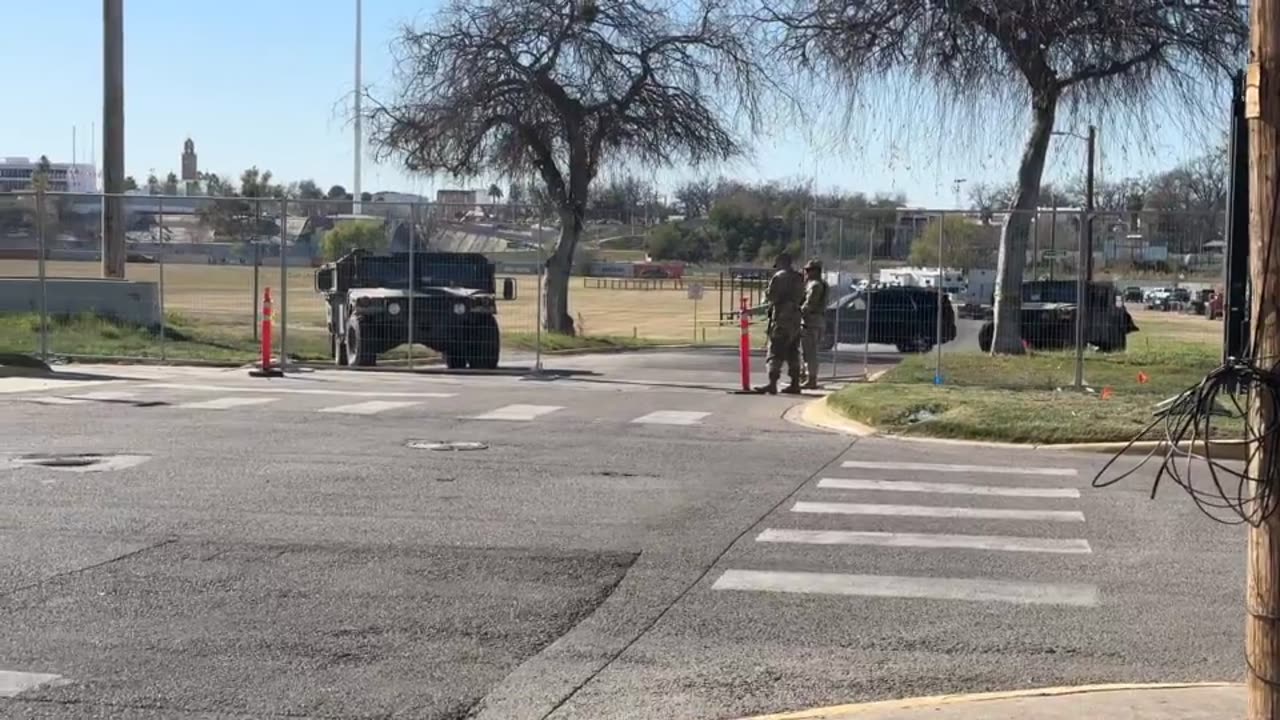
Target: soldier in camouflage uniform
<point x="784" y="295"/>
<point x="813" y="320"/>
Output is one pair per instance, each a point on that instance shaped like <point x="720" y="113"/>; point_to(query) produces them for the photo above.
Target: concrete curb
<point x="852" y="710"/>
<point x="818" y="414"/>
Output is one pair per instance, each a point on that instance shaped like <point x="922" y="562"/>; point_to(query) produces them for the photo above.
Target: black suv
<point x="906" y="317"/>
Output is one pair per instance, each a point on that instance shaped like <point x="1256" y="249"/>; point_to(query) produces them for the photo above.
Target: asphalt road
<point x="632" y="542"/>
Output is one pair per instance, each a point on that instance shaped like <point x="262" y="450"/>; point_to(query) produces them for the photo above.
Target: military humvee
<point x="367" y="306"/>
<point x="1049" y="317"/>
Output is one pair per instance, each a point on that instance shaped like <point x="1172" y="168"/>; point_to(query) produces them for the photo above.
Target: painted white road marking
<point x="1003" y="543"/>
<point x="106" y="395"/>
<point x="12" y="683"/>
<point x="930" y="588"/>
<point x="23" y="384"/>
<point x="519" y="412"/>
<point x="932" y="467"/>
<point x="279" y="388"/>
<point x="930" y="511"/>
<point x="672" y="417"/>
<point x="226" y="403"/>
<point x="946" y="488"/>
<point x="372" y="407"/>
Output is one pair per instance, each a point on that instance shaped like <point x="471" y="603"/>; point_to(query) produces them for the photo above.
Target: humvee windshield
<point x="433" y="271"/>
<point x="1064" y="291"/>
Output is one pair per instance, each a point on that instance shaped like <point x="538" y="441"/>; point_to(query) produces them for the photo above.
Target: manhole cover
<point x="448" y="445"/>
<point x="74" y="462"/>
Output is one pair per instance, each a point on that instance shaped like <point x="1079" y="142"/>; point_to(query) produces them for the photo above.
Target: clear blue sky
<point x="268" y="83"/>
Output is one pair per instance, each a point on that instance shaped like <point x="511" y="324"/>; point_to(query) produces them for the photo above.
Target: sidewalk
<point x="1098" y="702"/>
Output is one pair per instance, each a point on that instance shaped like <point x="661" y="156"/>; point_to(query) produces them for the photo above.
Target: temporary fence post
<point x="42" y="270"/>
<point x="284" y="283"/>
<point x="866" y="325"/>
<point x="1053" y="239"/>
<point x="537" y="319"/>
<point x="413" y="275"/>
<point x="744" y="345"/>
<point x="695" y="319"/>
<point x="1082" y="297"/>
<point x="257" y="265"/>
<point x="942" y="232"/>
<point x="835" y="332"/>
<point x="160" y="239"/>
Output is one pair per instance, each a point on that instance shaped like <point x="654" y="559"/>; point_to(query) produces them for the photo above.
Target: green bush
<point x="348" y="236"/>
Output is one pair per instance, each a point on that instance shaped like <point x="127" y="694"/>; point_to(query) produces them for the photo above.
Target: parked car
<point x="1134" y="294"/>
<point x="905" y="317"/>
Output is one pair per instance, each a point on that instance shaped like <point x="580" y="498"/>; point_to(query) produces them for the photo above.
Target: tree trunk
<point x="1017" y="228"/>
<point x="556" y="317"/>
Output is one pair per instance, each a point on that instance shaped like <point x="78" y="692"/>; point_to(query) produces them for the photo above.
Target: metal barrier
<point x="910" y="289"/>
<point x="916" y="290"/>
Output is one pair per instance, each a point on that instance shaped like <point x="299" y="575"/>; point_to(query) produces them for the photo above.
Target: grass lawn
<point x="1029" y="399"/>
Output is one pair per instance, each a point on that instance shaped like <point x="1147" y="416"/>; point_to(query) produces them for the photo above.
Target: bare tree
<point x="1089" y="54"/>
<point x="695" y="196"/>
<point x="1184" y="206"/>
<point x="558" y="88"/>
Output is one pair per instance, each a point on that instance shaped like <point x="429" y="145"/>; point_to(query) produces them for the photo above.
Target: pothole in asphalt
<point x="74" y="462"/>
<point x="448" y="445"/>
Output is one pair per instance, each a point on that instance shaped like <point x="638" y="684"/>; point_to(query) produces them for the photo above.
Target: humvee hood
<point x="387" y="293"/>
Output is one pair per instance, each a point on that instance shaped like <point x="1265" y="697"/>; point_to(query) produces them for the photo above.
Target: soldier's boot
<point x="811" y="384"/>
<point x="793" y="388"/>
<point x="771" y="388"/>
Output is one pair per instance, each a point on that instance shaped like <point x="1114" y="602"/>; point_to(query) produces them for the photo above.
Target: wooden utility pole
<point x="1262" y="108"/>
<point x="113" y="251"/>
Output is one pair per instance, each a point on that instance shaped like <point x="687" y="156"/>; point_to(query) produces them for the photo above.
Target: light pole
<point x="1084" y="262"/>
<point x="356" y="207"/>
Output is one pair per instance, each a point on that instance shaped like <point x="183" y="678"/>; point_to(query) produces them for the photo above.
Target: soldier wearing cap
<point x="784" y="294"/>
<point x="813" y="319"/>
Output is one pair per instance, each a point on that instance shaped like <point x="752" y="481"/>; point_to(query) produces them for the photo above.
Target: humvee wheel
<point x="1115" y="342"/>
<point x="485" y="346"/>
<point x="985" y="335"/>
<point x="454" y="359"/>
<point x="359" y="350"/>
<point x="339" y="346"/>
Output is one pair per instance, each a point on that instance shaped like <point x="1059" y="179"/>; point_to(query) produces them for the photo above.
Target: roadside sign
<point x="695" y="291"/>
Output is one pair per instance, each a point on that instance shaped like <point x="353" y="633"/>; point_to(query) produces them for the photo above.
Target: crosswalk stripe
<point x="929" y="511"/>
<point x="519" y="412"/>
<point x="107" y="395"/>
<point x="12" y="682"/>
<point x="279" y="388"/>
<point x="372" y="407"/>
<point x="1003" y="543"/>
<point x="929" y="588"/>
<point x="934" y="467"/>
<point x="226" y="403"/>
<point x="672" y="417"/>
<point x="945" y="488"/>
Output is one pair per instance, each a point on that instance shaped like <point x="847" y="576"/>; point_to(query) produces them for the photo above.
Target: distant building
<point x="469" y="198"/>
<point x="190" y="167"/>
<point x="17" y="173"/>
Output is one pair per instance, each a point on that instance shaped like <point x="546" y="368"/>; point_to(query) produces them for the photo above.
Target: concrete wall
<point x="122" y="300"/>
